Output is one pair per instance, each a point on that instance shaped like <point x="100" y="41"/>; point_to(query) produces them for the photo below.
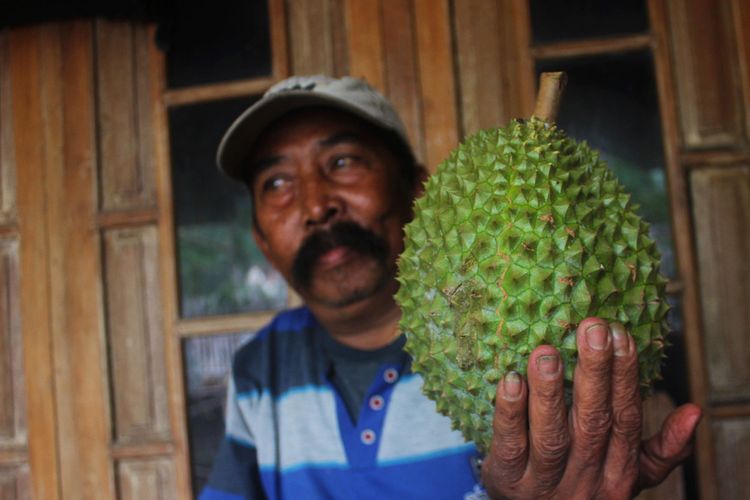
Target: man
<point x="322" y="403"/>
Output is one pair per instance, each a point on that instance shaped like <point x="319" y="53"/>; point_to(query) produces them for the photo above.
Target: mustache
<point x="340" y="234"/>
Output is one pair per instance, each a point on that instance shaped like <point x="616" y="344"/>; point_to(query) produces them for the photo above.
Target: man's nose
<point x="320" y="203"/>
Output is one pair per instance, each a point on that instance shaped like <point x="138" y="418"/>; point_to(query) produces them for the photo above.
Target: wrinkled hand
<point x="593" y="450"/>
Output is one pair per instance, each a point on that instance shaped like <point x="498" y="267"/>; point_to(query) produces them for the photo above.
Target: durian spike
<point x="551" y="86"/>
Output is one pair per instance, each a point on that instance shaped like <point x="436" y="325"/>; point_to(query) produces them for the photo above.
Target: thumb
<point x="670" y="446"/>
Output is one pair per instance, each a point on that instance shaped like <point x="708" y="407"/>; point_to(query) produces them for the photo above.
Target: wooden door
<point x="83" y="341"/>
<point x="97" y="346"/>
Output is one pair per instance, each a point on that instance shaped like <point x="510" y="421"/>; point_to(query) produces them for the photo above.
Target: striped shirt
<point x="289" y="435"/>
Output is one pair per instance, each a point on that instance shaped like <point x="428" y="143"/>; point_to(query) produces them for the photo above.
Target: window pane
<point x="216" y="42"/>
<point x="221" y="270"/>
<point x="558" y="20"/>
<point x="611" y="102"/>
<point x="208" y="361"/>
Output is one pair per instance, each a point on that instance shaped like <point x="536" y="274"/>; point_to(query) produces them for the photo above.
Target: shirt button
<point x="390" y="375"/>
<point x="367" y="436"/>
<point x="377" y="402"/>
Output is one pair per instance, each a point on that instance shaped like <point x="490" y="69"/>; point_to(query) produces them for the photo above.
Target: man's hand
<point x="540" y="449"/>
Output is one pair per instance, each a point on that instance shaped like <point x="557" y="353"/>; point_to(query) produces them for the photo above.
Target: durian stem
<point x="551" y="86"/>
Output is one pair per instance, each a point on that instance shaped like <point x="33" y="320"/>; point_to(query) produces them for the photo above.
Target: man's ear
<point x="420" y="177"/>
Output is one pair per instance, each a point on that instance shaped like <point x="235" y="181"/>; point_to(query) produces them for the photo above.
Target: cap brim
<point x="242" y="135"/>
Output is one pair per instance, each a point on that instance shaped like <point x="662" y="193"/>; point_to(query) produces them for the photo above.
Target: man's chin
<point x="332" y="293"/>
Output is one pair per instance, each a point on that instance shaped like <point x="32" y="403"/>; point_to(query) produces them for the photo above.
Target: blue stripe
<point x="209" y="493"/>
<point x="319" y="466"/>
<point x="254" y="394"/>
<point x="446" y="478"/>
<point x="291" y="322"/>
<point x="239" y="441"/>
<point x="301" y="389"/>
<point x="467" y="448"/>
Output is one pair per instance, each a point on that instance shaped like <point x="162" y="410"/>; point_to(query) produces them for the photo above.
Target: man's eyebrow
<point x="341" y="138"/>
<point x="265" y="163"/>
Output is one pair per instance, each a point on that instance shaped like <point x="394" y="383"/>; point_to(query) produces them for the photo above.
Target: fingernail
<point x="548" y="364"/>
<point x="619" y="339"/>
<point x="596" y="336"/>
<point x="512" y="385"/>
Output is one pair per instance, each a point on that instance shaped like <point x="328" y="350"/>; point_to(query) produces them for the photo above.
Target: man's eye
<point x="274" y="184"/>
<point x="342" y="162"/>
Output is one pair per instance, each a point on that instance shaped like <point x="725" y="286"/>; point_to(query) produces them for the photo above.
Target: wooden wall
<point x="14" y="438"/>
<point x="79" y="247"/>
<point x="91" y="395"/>
<point x="710" y="48"/>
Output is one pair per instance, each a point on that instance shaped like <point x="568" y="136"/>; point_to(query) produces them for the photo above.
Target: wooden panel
<point x="436" y="77"/>
<point x="151" y="479"/>
<point x="519" y="76"/>
<point x="721" y="208"/>
<point x="14" y="483"/>
<point x="338" y="38"/>
<point x="741" y="17"/>
<point x="12" y="405"/>
<point x="401" y="76"/>
<point x="707" y="80"/>
<point x="279" y="51"/>
<point x="25" y="64"/>
<point x="316" y="40"/>
<point x="67" y="93"/>
<point x="478" y="30"/>
<point x="7" y="156"/>
<point x="363" y="28"/>
<point x="733" y="458"/>
<point x="168" y="280"/>
<point x="682" y="230"/>
<point x="125" y="133"/>
<point x="135" y="334"/>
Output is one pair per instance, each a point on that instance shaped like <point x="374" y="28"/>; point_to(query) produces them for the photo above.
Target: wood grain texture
<point x="7" y="148"/>
<point x="721" y="208"/>
<point x="482" y="88"/>
<point x="338" y="38"/>
<point x="25" y="62"/>
<point x="592" y="46"/>
<point x="311" y="43"/>
<point x="401" y="71"/>
<point x="135" y="335"/>
<point x="279" y="46"/>
<point x="15" y="483"/>
<point x="365" y="41"/>
<point x="12" y="387"/>
<point x="741" y="18"/>
<point x="436" y="76"/>
<point x="168" y="279"/>
<point x="213" y="91"/>
<point x="74" y="265"/>
<point x="733" y="457"/>
<point x="151" y="479"/>
<point x="707" y="79"/>
<point x="125" y="138"/>
<point x="682" y="230"/>
<point x="517" y="59"/>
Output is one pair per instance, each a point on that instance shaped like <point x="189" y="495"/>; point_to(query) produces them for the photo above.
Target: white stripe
<point x="236" y="427"/>
<point x="413" y="428"/>
<point x="307" y="432"/>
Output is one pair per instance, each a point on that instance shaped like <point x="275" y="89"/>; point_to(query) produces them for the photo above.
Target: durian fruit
<point x="521" y="234"/>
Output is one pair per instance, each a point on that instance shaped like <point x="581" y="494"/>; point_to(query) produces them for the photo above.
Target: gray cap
<point x="347" y="94"/>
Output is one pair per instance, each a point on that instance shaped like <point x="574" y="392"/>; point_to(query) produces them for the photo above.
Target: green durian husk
<point x="521" y="234"/>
